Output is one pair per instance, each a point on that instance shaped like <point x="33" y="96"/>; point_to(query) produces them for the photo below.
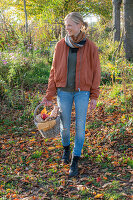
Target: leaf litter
<point x="31" y="168"/>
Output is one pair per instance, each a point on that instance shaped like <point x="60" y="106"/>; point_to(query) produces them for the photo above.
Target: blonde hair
<point x="77" y="18"/>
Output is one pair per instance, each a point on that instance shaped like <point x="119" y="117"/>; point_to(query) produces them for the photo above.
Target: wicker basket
<point x="49" y="128"/>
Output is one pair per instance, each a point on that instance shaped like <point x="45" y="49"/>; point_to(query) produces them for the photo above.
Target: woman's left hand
<point x="46" y="102"/>
<point x="93" y="104"/>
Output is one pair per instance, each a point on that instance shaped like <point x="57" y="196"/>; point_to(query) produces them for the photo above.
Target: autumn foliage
<point x="30" y="165"/>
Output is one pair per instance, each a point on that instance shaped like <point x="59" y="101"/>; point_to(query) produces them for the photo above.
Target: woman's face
<point x="72" y="28"/>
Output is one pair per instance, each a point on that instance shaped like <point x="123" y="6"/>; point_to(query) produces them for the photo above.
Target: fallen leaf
<point x="81" y="187"/>
<point x="62" y="181"/>
<point x="106" y="185"/>
<point x="95" y="170"/>
<point x="87" y="134"/>
<point x="124" y="194"/>
<point x="16" y="199"/>
<point x="3" y="146"/>
<point x="107" y="173"/>
<point x="89" y="183"/>
<point x="131" y="179"/>
<point x="105" y="178"/>
<point x="98" y="196"/>
<point x="51" y="148"/>
<point x="14" y="195"/>
<point x="58" y="146"/>
<point x="98" y="179"/>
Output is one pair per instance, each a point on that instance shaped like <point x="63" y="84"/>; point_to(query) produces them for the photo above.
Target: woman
<point x="75" y="76"/>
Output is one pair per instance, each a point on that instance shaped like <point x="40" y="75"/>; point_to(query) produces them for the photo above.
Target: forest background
<point x="30" y="165"/>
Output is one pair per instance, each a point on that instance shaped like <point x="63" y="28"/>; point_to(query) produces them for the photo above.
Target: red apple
<point x="44" y="116"/>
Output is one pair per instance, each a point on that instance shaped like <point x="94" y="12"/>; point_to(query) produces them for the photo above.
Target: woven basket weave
<point x="49" y="128"/>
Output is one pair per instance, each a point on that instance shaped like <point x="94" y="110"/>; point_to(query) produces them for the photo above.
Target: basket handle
<point x="35" y="111"/>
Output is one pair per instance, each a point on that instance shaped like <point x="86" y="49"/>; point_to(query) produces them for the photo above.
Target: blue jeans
<point x="65" y="101"/>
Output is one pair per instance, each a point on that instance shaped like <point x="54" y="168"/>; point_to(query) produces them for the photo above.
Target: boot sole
<point x="73" y="175"/>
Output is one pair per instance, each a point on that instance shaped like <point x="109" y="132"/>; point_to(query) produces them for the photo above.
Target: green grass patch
<point x="130" y="163"/>
<point x="94" y="124"/>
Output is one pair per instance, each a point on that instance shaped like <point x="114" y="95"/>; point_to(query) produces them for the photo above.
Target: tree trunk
<point x="116" y="19"/>
<point x="128" y="24"/>
<point x="26" y="21"/>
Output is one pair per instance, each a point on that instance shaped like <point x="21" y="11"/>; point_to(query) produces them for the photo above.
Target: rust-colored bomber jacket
<point x="87" y="69"/>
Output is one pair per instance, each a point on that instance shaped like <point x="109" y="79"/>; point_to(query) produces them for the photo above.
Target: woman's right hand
<point x="46" y="102"/>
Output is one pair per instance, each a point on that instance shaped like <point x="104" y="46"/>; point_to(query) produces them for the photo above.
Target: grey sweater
<point x="71" y="70"/>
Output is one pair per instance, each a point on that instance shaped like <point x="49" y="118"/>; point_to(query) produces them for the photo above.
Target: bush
<point x="18" y="69"/>
<point x="21" y="70"/>
<point x="105" y="78"/>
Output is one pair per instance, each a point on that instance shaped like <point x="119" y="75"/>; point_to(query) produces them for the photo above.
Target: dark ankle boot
<point x="74" y="166"/>
<point x="66" y="154"/>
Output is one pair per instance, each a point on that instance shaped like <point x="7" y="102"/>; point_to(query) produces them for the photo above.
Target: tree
<point x="116" y="19"/>
<point x="128" y="24"/>
<point x="102" y="8"/>
<point x="26" y="21"/>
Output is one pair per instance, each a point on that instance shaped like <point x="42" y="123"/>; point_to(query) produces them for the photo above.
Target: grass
<point x="130" y="163"/>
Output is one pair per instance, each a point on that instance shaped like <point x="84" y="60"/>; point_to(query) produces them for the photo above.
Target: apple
<point x="44" y="116"/>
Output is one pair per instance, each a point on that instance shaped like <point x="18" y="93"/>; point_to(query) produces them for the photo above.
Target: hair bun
<point x="85" y="26"/>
